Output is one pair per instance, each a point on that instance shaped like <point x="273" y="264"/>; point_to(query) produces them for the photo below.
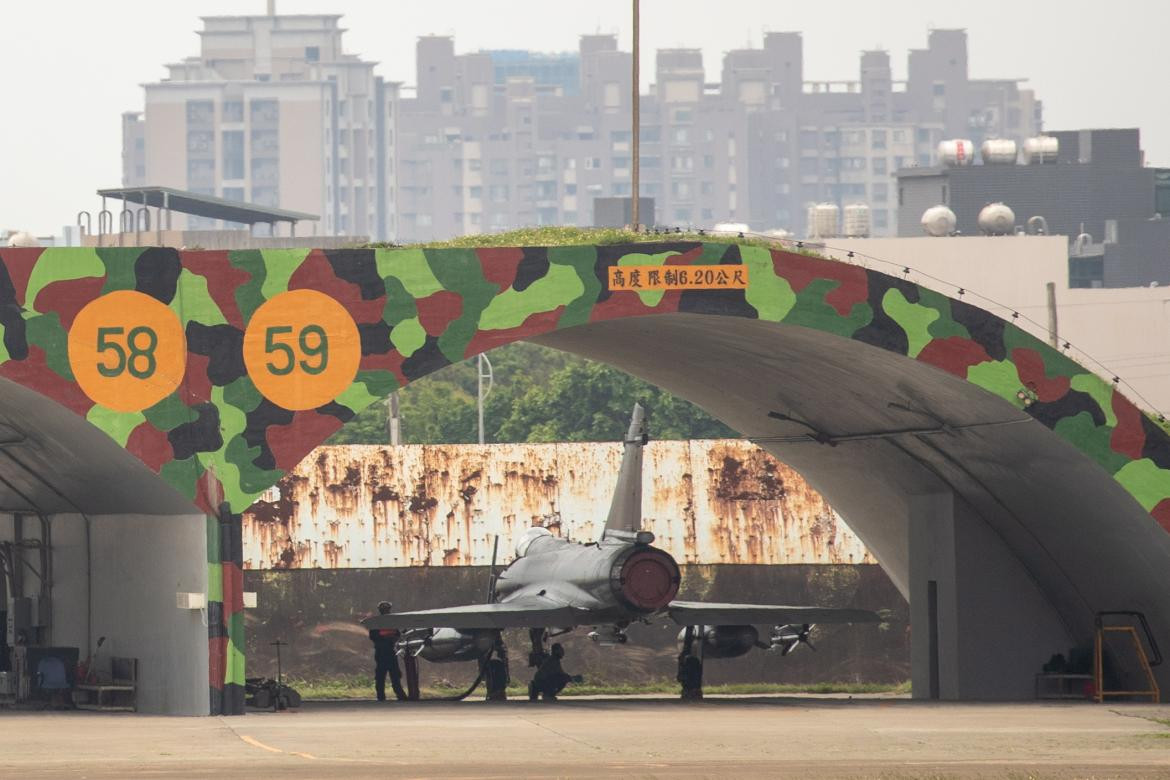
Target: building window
<point x="233" y="111"/>
<point x="200" y="112"/>
<point x="877" y="139"/>
<point x="265" y="143"/>
<point x="881" y="219"/>
<point x="682" y="135"/>
<point x="881" y="193"/>
<point x="312" y="54"/>
<point x="879" y="166"/>
<point x="233" y="154"/>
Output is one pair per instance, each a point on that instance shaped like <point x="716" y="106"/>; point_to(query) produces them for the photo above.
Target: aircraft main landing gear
<point x="495" y="672"/>
<point x="690" y="667"/>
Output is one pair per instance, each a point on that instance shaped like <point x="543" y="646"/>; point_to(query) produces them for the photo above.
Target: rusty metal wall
<point x="708" y="502"/>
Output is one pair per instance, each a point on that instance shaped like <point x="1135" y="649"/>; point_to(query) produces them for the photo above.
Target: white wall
<point x="996" y="629"/>
<point x="139" y="563"/>
<point x="1127" y="329"/>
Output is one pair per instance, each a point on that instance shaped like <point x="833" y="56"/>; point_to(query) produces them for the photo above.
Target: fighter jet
<point x="555" y="585"/>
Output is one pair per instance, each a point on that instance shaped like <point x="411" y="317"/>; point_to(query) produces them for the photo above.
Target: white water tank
<point x="21" y="238"/>
<point x="998" y="151"/>
<point x="729" y="229"/>
<point x="856" y="220"/>
<point x="939" y="221"/>
<point x="956" y="152"/>
<point x="823" y="220"/>
<point x="1041" y="149"/>
<point x="996" y="219"/>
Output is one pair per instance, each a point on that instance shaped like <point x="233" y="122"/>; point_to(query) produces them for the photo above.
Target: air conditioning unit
<point x="190" y="600"/>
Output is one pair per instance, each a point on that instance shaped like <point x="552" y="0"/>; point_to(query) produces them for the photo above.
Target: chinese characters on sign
<point x="678" y="277"/>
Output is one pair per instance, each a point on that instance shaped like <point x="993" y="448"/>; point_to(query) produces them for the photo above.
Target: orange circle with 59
<point x="302" y="349"/>
<point x="127" y="350"/>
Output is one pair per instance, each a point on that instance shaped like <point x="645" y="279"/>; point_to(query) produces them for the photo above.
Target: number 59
<point x="313" y="343"/>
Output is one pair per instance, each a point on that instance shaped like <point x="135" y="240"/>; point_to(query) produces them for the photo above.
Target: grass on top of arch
<point x="567" y="236"/>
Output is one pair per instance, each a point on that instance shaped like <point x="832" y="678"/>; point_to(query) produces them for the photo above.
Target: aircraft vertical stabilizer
<point x="625" y="513"/>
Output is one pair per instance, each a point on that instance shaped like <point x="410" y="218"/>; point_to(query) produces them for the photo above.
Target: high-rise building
<point x="485" y="148"/>
<point x="274" y="112"/>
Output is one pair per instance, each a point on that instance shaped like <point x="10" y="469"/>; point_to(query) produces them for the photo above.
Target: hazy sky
<point x="71" y="68"/>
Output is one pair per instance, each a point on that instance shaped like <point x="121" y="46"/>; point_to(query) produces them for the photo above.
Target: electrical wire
<point x="904" y="271"/>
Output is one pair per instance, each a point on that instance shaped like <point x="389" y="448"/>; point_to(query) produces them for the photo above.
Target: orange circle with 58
<point x="127" y="350"/>
<point x="302" y="349"/>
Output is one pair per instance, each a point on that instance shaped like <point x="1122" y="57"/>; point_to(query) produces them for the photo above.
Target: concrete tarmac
<point x="733" y="737"/>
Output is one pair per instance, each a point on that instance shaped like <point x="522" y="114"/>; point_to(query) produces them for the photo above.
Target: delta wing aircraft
<point x="555" y="585"/>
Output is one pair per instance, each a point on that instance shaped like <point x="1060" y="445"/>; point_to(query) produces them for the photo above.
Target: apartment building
<point x="486" y="144"/>
<point x="272" y="111"/>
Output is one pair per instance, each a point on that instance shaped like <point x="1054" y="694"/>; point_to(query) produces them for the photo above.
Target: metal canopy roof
<point x="207" y="206"/>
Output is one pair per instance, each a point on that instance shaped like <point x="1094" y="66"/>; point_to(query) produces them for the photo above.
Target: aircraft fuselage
<point x="616" y="579"/>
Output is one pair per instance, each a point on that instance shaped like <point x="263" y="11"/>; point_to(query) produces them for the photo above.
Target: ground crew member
<point x="550" y="678"/>
<point x="385" y="657"/>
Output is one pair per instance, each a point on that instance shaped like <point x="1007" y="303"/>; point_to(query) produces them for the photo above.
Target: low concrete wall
<point x="317" y="613"/>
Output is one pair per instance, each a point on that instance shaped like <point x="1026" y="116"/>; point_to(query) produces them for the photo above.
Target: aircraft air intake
<point x="646" y="578"/>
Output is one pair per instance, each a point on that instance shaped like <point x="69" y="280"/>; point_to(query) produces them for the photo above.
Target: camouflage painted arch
<point x="245" y="404"/>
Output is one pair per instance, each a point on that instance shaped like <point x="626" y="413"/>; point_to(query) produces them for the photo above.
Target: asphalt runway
<point x="733" y="737"/>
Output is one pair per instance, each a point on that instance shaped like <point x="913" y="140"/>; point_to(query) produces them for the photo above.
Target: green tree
<point x="539" y="394"/>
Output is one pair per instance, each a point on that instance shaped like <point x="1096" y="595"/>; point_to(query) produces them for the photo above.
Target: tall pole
<point x="393" y="421"/>
<point x="481" y="363"/>
<point x="634" y="133"/>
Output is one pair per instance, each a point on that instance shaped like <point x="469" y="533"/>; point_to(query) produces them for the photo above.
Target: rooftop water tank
<point x="956" y="152"/>
<point x="998" y="151"/>
<point x="856" y="221"/>
<point x="21" y="238"/>
<point x="1041" y="149"/>
<point x="729" y="229"/>
<point x="823" y="220"/>
<point x="939" y="221"/>
<point x="996" y="219"/>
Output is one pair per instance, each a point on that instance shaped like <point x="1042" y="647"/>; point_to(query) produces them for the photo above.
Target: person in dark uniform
<point x="385" y="659"/>
<point x="550" y="678"/>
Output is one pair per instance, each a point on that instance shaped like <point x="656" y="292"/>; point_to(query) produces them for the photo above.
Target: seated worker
<point x="385" y="657"/>
<point x="550" y="679"/>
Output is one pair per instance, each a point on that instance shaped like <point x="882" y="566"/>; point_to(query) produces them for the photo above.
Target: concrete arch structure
<point x="1009" y="492"/>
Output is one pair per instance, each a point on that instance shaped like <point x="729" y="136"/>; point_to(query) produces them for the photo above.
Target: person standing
<point x="386" y="657"/>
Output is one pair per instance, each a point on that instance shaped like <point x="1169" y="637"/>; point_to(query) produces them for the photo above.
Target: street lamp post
<point x="634" y="133"/>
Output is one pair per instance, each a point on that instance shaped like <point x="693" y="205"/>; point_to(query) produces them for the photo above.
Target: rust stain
<point x="443" y="505"/>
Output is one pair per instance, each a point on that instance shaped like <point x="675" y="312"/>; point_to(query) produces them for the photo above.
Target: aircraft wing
<point x="521" y="612"/>
<point x="693" y="613"/>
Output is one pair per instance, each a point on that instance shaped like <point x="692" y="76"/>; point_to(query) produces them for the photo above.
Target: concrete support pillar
<point x="934" y="640"/>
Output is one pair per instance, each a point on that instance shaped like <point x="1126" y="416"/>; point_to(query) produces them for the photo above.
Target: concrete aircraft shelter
<point x="1010" y="493"/>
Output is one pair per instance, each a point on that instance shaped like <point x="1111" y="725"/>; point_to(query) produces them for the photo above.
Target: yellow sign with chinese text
<point x="678" y="277"/>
